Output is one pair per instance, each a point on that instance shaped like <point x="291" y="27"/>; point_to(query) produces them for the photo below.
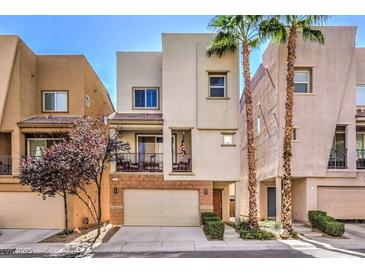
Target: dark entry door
<point x="217" y="202"/>
<point x="271" y="202"/>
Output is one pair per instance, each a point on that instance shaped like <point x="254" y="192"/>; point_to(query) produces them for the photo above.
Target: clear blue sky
<point x="100" y="37"/>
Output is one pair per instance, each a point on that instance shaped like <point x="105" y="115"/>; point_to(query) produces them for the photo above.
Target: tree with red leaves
<point x="48" y="175"/>
<point x="77" y="163"/>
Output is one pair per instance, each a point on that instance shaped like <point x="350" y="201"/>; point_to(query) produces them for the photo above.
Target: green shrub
<point x="256" y="234"/>
<point x="326" y="224"/>
<point x="335" y="229"/>
<point x="313" y="217"/>
<point x="206" y="220"/>
<point x="208" y="214"/>
<point x="215" y="230"/>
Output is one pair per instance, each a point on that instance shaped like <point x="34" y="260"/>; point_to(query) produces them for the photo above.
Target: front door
<point x="271" y="202"/>
<point x="217" y="202"/>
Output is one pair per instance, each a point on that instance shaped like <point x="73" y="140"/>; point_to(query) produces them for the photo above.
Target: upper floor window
<point x="360" y="95"/>
<point x="146" y="98"/>
<point x="217" y="85"/>
<point x="55" y="101"/>
<point x="302" y="80"/>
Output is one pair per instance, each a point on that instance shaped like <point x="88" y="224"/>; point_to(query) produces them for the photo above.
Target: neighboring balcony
<point x="338" y="159"/>
<point x="5" y="165"/>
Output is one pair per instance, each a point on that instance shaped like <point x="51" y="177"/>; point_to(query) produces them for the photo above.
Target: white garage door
<point x="342" y="202"/>
<point x="161" y="207"/>
<point x="29" y="210"/>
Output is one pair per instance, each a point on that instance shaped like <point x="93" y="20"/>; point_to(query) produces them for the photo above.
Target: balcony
<point x="181" y="162"/>
<point x="5" y="165"/>
<point x="139" y="162"/>
<point x="338" y="159"/>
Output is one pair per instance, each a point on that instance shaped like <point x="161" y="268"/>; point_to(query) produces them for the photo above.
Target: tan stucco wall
<point x="137" y="69"/>
<point x="185" y="105"/>
<point x="360" y="67"/>
<point x="181" y="71"/>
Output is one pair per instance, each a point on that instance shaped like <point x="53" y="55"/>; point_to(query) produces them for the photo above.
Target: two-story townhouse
<point x="179" y="111"/>
<point x="328" y="137"/>
<point x="40" y="97"/>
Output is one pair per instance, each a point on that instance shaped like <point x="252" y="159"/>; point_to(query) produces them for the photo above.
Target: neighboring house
<point x="179" y="111"/>
<point x="329" y="126"/>
<point x="40" y="98"/>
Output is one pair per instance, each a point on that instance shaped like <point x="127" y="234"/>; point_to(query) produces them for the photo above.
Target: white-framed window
<point x="217" y="85"/>
<point x="360" y="95"/>
<point x="302" y="80"/>
<point x="228" y="139"/>
<point x="146" y="98"/>
<point x="258" y="124"/>
<point x="87" y="101"/>
<point x="55" y="101"/>
<point x="35" y="146"/>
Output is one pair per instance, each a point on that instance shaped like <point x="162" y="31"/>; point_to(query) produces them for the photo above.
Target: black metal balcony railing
<point x="181" y="163"/>
<point x="360" y="159"/>
<point x="338" y="159"/>
<point x="5" y="165"/>
<point x="140" y="162"/>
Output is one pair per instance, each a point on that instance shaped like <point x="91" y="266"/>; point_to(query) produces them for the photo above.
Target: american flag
<point x="183" y="146"/>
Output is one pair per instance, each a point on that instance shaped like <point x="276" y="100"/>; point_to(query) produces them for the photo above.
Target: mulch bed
<point x="110" y="233"/>
<point x="67" y="238"/>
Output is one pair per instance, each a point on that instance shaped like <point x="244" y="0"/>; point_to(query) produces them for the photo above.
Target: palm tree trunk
<point x="251" y="158"/>
<point x="288" y="131"/>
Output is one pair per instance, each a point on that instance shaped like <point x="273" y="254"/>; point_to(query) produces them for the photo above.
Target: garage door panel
<point x="342" y="202"/>
<point x="161" y="207"/>
<point x="29" y="210"/>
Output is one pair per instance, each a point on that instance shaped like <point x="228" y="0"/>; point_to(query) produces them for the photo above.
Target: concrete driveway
<point x="158" y="234"/>
<point x="10" y="236"/>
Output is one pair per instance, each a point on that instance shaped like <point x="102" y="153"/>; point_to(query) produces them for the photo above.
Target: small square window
<point x="217" y="85"/>
<point x="302" y="80"/>
<point x="228" y="139"/>
<point x="146" y="98"/>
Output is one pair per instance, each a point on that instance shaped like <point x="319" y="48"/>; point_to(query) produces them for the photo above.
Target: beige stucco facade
<point x="24" y="76"/>
<point x="335" y="68"/>
<point x="180" y="74"/>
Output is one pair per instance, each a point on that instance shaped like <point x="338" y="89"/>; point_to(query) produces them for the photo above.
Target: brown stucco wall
<point x="21" y="91"/>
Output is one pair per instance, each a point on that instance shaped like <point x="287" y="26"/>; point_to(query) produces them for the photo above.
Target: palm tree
<point x="286" y="29"/>
<point x="233" y="32"/>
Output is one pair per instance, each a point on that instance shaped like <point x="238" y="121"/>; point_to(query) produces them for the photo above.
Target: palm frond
<point x="274" y="28"/>
<point x="222" y="43"/>
<point x="313" y="35"/>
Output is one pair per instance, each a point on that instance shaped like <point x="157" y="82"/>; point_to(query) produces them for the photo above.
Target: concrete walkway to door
<point x="170" y="239"/>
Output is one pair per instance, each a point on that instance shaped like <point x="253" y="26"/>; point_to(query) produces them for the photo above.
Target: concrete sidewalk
<point x="26" y="241"/>
<point x="162" y="243"/>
